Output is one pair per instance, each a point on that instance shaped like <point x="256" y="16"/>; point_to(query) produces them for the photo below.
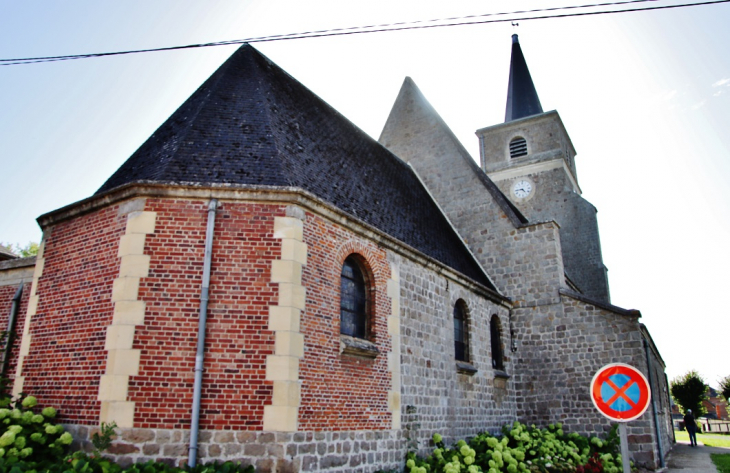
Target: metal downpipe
<point x="14" y="308"/>
<point x="653" y="406"/>
<point x="200" y="352"/>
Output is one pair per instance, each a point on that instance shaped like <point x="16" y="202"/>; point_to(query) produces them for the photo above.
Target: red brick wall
<point x="341" y="392"/>
<point x="6" y="301"/>
<point x="68" y="331"/>
<point x="238" y="340"/>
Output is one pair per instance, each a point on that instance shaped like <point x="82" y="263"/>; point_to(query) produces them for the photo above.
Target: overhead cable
<point x="399" y="26"/>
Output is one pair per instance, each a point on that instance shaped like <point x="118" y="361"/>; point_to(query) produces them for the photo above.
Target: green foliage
<point x="31" y="249"/>
<point x="103" y="440"/>
<point x="725" y="388"/>
<point x="519" y="449"/>
<point x="688" y="392"/>
<point x="29" y="436"/>
<point x="721" y="461"/>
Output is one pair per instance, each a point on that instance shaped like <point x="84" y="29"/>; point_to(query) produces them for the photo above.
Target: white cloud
<point x="722" y="82"/>
<point x="698" y="105"/>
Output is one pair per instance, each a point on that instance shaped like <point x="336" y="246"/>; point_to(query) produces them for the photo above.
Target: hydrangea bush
<point x="520" y="448"/>
<point x="30" y="436"/>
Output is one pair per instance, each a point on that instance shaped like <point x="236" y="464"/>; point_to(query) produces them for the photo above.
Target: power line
<point x="381" y="28"/>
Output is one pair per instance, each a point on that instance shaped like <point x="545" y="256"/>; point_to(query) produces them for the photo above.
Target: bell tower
<point x="532" y="160"/>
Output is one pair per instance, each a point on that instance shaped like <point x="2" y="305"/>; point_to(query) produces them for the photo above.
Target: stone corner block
<point x="280" y="418"/>
<point x="282" y="368"/>
<point x="141" y="222"/>
<point x="131" y="244"/>
<point x="289" y="344"/>
<point x="119" y="337"/>
<point x="286" y="271"/>
<point x="113" y="387"/>
<point x="125" y="289"/>
<point x="294" y="250"/>
<point x="288" y="227"/>
<point x="134" y="266"/>
<point x="123" y="362"/>
<point x="121" y="412"/>
<point x="284" y="318"/>
<point x="292" y="295"/>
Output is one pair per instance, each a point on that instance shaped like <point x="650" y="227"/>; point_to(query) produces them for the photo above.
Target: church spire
<point x="522" y="99"/>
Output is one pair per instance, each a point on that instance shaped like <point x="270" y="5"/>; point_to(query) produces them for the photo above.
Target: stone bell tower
<point x="532" y="160"/>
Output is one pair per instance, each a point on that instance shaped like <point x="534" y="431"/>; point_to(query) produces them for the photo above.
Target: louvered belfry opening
<point x="517" y="148"/>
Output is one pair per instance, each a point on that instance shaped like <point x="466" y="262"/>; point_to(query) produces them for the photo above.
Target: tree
<point x="688" y="392"/>
<point x="31" y="249"/>
<point x="725" y="388"/>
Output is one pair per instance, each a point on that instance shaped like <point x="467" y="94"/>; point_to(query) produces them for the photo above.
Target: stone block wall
<point x="269" y="452"/>
<point x="437" y="397"/>
<point x="554" y="199"/>
<point x="560" y="347"/>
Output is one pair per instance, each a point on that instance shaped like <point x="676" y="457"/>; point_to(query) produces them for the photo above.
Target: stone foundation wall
<point x="269" y="452"/>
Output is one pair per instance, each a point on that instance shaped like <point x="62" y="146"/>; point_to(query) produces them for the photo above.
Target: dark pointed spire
<point x="522" y="99"/>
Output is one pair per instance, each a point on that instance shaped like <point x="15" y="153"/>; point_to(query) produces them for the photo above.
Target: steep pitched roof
<point x="522" y="99"/>
<point x="251" y="123"/>
<point x="414" y="130"/>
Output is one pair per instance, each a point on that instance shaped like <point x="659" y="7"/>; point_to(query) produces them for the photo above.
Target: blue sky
<point x="644" y="96"/>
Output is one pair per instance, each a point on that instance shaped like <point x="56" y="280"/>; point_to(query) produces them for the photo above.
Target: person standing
<point x="691" y="426"/>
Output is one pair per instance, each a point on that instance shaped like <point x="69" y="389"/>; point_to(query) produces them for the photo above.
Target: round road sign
<point x="620" y="392"/>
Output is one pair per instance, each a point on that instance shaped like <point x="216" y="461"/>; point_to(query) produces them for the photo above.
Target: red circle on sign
<point x="603" y="380"/>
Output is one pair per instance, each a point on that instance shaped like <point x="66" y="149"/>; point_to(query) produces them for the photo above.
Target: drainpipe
<point x="14" y="308"/>
<point x="199" y="354"/>
<point x="653" y="408"/>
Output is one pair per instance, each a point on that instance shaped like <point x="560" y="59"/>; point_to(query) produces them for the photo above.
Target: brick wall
<point x="342" y="392"/>
<point x="67" y="332"/>
<point x="7" y="292"/>
<point x="238" y="340"/>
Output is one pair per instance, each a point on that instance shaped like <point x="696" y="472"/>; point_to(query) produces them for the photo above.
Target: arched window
<point x="353" y="300"/>
<point x="461" y="333"/>
<point x="517" y="147"/>
<point x="496" y="336"/>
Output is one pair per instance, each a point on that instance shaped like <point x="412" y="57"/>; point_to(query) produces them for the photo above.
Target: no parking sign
<point x="620" y="392"/>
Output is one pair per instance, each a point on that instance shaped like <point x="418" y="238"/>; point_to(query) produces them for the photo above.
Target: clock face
<point x="522" y="189"/>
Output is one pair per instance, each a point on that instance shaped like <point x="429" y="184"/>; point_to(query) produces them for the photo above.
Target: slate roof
<point x="251" y="123"/>
<point x="522" y="99"/>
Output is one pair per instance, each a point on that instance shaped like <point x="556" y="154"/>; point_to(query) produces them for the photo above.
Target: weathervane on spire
<point x="515" y="24"/>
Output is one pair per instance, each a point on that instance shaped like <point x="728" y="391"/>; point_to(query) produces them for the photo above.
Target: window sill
<point x="357" y="347"/>
<point x="501" y="374"/>
<point x="466" y="368"/>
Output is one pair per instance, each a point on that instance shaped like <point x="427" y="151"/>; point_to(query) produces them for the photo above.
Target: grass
<point x="722" y="462"/>
<point x="711" y="440"/>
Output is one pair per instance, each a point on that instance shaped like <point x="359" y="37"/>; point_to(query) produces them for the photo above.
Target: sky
<point x="645" y="97"/>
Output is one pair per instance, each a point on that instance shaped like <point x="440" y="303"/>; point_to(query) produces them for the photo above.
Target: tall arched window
<point x="461" y="333"/>
<point x="517" y="147"/>
<point x="353" y="300"/>
<point x="496" y="337"/>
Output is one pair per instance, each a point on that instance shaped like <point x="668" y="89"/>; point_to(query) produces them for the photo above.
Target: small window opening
<point x="517" y="148"/>
<point x="461" y="334"/>
<point x="353" y="300"/>
<point x="496" y="337"/>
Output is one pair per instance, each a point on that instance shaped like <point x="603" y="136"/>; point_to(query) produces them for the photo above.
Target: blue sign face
<point x="620" y="393"/>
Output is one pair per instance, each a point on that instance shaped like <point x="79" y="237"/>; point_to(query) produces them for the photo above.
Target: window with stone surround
<point x="495" y="332"/>
<point x="461" y="332"/>
<point x="353" y="299"/>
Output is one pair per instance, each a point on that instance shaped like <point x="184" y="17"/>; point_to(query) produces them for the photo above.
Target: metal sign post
<point x="621" y="393"/>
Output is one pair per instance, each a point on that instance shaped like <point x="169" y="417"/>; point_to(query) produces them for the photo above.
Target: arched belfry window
<point x="517" y="147"/>
<point x="353" y="300"/>
<point x="461" y="333"/>
<point x="496" y="337"/>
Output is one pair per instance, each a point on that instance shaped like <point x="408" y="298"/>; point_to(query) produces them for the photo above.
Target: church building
<point x="263" y="282"/>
